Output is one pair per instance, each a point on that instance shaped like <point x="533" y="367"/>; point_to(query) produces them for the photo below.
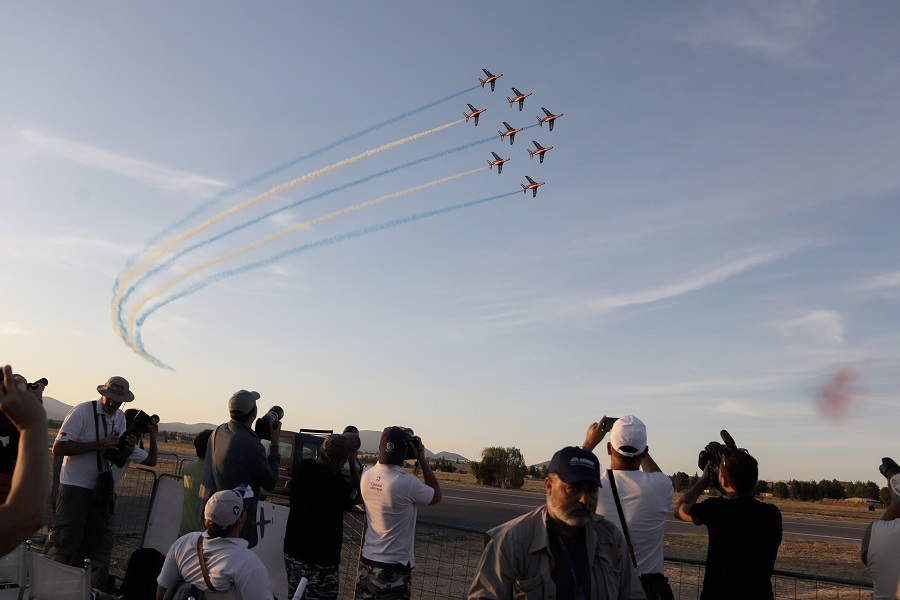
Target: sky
<point x="203" y="197"/>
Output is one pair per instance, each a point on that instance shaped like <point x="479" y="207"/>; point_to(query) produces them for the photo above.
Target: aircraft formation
<point x="510" y="131"/>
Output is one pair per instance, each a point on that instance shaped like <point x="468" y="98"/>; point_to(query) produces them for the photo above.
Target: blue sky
<point x="715" y="242"/>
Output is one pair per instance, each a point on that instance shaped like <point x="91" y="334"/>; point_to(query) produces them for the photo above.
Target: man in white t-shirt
<point x="644" y="490"/>
<point x="881" y="547"/>
<point x="391" y="496"/>
<point x="225" y="562"/>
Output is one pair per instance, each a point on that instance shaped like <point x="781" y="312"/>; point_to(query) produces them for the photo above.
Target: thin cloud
<point x="882" y="282"/>
<point x="145" y="172"/>
<point x="692" y="284"/>
<point x="734" y="407"/>
<point x="780" y="31"/>
<point x="821" y="324"/>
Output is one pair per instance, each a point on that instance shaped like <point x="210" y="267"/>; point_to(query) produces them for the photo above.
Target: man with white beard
<point x="561" y="550"/>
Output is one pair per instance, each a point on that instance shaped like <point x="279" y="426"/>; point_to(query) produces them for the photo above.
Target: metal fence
<point x="446" y="557"/>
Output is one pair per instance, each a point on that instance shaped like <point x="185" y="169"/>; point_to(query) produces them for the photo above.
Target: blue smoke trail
<point x="284" y="254"/>
<point x="167" y="263"/>
<point x="262" y="176"/>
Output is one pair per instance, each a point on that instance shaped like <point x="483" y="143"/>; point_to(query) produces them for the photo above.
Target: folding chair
<point x="13" y="574"/>
<point x="50" y="580"/>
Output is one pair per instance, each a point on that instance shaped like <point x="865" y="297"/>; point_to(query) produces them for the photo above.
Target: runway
<point x="480" y="508"/>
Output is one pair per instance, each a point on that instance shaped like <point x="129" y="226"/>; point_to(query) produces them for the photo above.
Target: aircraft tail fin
<point x="524" y="189"/>
<point x="530" y="153"/>
<point x="540" y="121"/>
<point x="490" y="165"/>
<point x="482" y="82"/>
<point x="510" y="101"/>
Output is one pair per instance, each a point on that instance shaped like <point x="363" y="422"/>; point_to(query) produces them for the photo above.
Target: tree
<point x="858" y="489"/>
<point x="885" y="496"/>
<point x="761" y="487"/>
<point x="500" y="467"/>
<point x="681" y="481"/>
<point x="831" y="489"/>
<point x="780" y="490"/>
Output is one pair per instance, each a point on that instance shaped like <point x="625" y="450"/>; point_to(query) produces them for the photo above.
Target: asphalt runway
<point x="479" y="509"/>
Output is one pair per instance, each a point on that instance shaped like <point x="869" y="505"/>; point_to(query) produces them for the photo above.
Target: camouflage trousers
<point x="323" y="581"/>
<point x="376" y="582"/>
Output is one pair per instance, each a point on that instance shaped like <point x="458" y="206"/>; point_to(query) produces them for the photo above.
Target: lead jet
<point x="548" y="119"/>
<point x="532" y="185"/>
<point x="520" y="98"/>
<point x="539" y="152"/>
<point x="491" y="79"/>
<point x="475" y="112"/>
<point x="510" y="131"/>
<point x="497" y="161"/>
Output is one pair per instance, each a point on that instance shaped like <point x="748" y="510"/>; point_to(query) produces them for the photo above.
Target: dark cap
<point x="242" y="402"/>
<point x="392" y="447"/>
<point x="574" y="465"/>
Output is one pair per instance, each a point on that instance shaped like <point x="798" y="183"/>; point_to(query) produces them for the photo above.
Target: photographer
<point x="881" y="541"/>
<point x="391" y="496"/>
<point x="236" y="456"/>
<point x="9" y="434"/>
<point x="88" y="438"/>
<point x="744" y="533"/>
<point x="20" y="515"/>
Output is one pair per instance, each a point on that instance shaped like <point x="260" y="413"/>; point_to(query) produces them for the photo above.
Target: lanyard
<point x="567" y="558"/>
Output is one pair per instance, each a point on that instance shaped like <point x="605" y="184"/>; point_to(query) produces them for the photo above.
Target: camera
<point x="608" y="423"/>
<point x="275" y="414"/>
<point x="712" y="454"/>
<point x="138" y="424"/>
<point x="40" y="382"/>
<point x="413" y="443"/>
<point x="888" y="468"/>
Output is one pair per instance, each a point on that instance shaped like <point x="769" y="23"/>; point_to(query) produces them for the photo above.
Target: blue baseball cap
<point x="574" y="465"/>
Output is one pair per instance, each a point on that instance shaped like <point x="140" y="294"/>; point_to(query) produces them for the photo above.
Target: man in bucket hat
<point x="225" y="558"/>
<point x="91" y="430"/>
<point x="562" y="549"/>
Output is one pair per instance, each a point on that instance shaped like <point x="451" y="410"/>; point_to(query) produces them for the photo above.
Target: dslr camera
<point x="713" y="453"/>
<point x="138" y="426"/>
<point x="888" y="468"/>
<point x="413" y="442"/>
<point x="275" y="414"/>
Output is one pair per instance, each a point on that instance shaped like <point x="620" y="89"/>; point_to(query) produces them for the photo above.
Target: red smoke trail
<point x="836" y="394"/>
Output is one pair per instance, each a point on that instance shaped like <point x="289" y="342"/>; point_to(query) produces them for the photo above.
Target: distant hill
<point x="186" y="428"/>
<point x="369" y="440"/>
<point x="56" y="410"/>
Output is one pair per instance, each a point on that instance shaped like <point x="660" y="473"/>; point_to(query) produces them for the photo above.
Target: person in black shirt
<point x="315" y="526"/>
<point x="744" y="533"/>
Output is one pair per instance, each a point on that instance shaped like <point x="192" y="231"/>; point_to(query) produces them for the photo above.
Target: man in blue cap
<point x="560" y="550"/>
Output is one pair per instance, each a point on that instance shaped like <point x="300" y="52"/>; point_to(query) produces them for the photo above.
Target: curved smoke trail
<point x="139" y="323"/>
<point x="153" y="255"/>
<point x="166" y="286"/>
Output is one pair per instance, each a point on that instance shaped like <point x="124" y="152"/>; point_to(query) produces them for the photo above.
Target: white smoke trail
<point x="154" y="255"/>
<point x="167" y="285"/>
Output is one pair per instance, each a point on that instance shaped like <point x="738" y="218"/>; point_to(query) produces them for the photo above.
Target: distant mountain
<point x="369" y="439"/>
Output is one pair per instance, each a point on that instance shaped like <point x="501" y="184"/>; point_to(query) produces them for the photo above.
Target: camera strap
<point x="203" y="565"/>
<point x="97" y="430"/>
<point x="615" y="491"/>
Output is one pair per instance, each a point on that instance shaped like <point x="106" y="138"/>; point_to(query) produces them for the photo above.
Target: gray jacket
<point x="235" y="456"/>
<point x="517" y="562"/>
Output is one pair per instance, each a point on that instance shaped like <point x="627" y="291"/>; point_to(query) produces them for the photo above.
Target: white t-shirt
<point x="81" y="469"/>
<point x="227" y="560"/>
<point x="137" y="457"/>
<point x="391" y="495"/>
<point x="883" y="558"/>
<point x="646" y="499"/>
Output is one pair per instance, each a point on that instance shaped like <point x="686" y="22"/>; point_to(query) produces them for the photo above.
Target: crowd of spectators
<point x="598" y="535"/>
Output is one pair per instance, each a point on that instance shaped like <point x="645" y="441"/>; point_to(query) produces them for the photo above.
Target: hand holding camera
<point x="267" y="426"/>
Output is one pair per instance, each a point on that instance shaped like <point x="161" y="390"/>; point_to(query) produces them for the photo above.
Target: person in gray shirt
<point x="235" y="455"/>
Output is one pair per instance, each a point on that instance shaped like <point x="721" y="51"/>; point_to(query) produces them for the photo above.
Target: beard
<point x="577" y="515"/>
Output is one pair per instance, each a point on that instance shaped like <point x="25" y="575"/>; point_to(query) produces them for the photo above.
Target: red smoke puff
<point x="835" y="396"/>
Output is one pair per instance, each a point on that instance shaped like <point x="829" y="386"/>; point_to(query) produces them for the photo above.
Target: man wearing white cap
<point x="644" y="491"/>
<point x="881" y="544"/>
<point x="218" y="558"/>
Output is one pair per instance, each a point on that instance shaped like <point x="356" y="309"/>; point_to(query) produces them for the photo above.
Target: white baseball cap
<point x="224" y="508"/>
<point x="629" y="436"/>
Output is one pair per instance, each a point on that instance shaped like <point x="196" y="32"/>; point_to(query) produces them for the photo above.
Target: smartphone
<point x="608" y="423"/>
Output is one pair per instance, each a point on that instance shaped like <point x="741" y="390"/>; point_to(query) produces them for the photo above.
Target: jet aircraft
<point x="497" y="161"/>
<point x="548" y="119"/>
<point x="532" y="185"/>
<point x="520" y="98"/>
<point x="475" y="112"/>
<point x="510" y="131"/>
<point x="490" y="78"/>
<point x="539" y="152"/>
